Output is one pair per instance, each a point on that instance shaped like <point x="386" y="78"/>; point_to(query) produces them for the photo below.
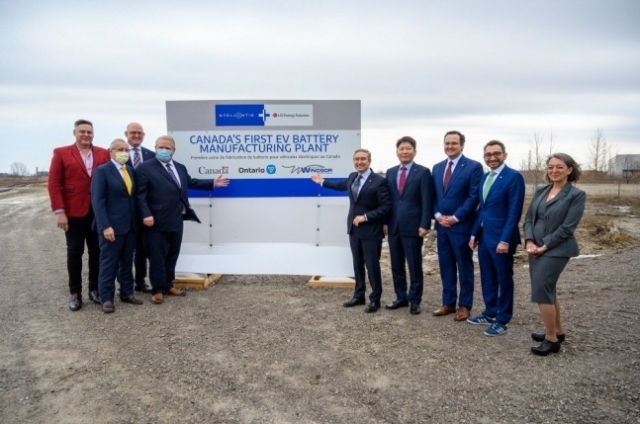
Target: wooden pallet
<point x="331" y="282"/>
<point x="196" y="281"/>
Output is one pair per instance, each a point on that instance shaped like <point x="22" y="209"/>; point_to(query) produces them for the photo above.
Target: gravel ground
<point x="268" y="349"/>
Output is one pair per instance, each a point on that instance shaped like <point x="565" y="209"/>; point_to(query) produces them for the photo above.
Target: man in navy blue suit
<point x="137" y="155"/>
<point x="164" y="205"/>
<point x="455" y="182"/>
<point x="408" y="222"/>
<point x="496" y="235"/>
<point x="114" y="204"/>
<point x="369" y="205"/>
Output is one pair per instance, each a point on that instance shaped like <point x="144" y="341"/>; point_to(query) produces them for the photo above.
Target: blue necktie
<point x="356" y="186"/>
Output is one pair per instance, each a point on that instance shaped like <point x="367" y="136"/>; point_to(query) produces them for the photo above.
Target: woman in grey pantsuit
<point x="553" y="215"/>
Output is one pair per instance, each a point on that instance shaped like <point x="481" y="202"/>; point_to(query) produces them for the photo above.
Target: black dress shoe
<point x="397" y="304"/>
<point x="143" y="289"/>
<point x="372" y="307"/>
<point x="131" y="299"/>
<point x="107" y="307"/>
<point x="539" y="337"/>
<point x="353" y="302"/>
<point x="94" y="296"/>
<point x="546" y="347"/>
<point x="415" y="310"/>
<point x="75" y="302"/>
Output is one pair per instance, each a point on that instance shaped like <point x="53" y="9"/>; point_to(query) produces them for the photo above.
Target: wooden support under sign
<point x="331" y="282"/>
<point x="196" y="281"/>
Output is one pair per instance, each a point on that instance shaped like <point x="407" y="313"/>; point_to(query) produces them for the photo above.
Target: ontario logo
<point x="309" y="169"/>
<point x="271" y="169"/>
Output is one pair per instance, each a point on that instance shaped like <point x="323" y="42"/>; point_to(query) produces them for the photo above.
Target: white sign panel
<point x="269" y="150"/>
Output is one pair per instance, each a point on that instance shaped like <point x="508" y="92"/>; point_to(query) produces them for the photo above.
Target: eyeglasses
<point x="494" y="155"/>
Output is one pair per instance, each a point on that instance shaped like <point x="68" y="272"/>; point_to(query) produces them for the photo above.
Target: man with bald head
<point x="138" y="155"/>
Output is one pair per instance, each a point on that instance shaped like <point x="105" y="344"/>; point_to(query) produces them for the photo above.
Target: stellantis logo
<point x="271" y="169"/>
<point x="309" y="169"/>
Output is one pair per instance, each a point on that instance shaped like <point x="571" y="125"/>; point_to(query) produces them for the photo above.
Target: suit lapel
<point x="563" y="193"/>
<point x="482" y="182"/>
<point x="537" y="201"/>
<point x="393" y="177"/>
<point x="411" y="176"/>
<point x="165" y="172"/>
<point x="497" y="183"/>
<point x="78" y="157"/>
<point x="457" y="170"/>
<point x="365" y="185"/>
<point x="117" y="176"/>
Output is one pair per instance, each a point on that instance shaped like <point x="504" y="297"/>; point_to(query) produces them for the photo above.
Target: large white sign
<point x="272" y="219"/>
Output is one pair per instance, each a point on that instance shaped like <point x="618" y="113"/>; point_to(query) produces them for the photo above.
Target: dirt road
<point x="267" y="349"/>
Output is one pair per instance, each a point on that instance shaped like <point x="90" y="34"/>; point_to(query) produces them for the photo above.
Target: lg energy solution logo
<point x="308" y="169"/>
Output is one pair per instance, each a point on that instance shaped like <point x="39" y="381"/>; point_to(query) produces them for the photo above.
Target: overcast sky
<point x="491" y="69"/>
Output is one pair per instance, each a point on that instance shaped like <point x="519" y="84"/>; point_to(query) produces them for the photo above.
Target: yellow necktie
<point x="127" y="179"/>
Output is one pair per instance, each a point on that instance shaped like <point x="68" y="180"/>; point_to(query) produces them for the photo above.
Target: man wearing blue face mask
<point x="164" y="205"/>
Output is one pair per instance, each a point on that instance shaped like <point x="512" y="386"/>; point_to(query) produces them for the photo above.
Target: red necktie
<point x="447" y="174"/>
<point x="403" y="179"/>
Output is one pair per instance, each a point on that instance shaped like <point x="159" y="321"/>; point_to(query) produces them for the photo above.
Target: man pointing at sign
<point x="369" y="204"/>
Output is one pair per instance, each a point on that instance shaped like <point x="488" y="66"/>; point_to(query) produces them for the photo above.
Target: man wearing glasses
<point x="496" y="235"/>
<point x="138" y="155"/>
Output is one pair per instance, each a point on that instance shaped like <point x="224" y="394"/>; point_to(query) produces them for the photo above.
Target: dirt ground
<point x="268" y="349"/>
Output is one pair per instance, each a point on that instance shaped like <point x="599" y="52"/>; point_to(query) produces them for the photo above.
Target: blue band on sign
<point x="240" y="115"/>
<point x="276" y="187"/>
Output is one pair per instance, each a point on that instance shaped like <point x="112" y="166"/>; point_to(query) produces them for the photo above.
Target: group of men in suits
<point x="119" y="201"/>
<point x="471" y="209"/>
<point x="130" y="199"/>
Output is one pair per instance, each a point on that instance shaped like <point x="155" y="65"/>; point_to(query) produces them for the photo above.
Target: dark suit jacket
<point x="147" y="155"/>
<point x="159" y="195"/>
<point x="499" y="214"/>
<point x="373" y="200"/>
<point x="562" y="215"/>
<point x="414" y="207"/>
<point x="69" y="183"/>
<point x="112" y="204"/>
<point x="461" y="196"/>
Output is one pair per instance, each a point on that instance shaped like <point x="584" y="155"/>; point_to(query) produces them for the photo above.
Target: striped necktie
<point x="136" y="157"/>
<point x="172" y="174"/>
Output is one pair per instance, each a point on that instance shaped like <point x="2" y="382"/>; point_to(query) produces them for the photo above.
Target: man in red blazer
<point x="70" y="194"/>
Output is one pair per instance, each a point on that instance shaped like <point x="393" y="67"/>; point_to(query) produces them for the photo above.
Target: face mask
<point x="163" y="155"/>
<point x="122" y="157"/>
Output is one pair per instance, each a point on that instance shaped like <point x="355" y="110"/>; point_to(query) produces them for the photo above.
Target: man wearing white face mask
<point x="113" y="198"/>
<point x="164" y="205"/>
